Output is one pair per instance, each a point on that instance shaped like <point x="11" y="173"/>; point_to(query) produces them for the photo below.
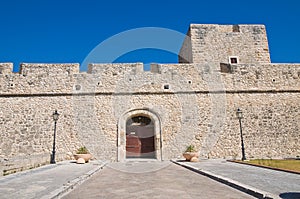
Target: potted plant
<point x="191" y="154"/>
<point x="82" y="155"/>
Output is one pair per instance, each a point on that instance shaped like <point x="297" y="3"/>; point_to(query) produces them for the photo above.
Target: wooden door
<point x="147" y="148"/>
<point x="133" y="146"/>
<point x="140" y="139"/>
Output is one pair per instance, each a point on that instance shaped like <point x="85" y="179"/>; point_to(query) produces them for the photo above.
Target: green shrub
<point x="190" y="148"/>
<point x="82" y="150"/>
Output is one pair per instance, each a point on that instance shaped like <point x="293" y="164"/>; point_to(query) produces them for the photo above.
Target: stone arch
<point x="121" y="142"/>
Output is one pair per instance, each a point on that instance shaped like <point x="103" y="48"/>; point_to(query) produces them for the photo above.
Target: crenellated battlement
<point x="6" y="68"/>
<point x="110" y="78"/>
<point x="221" y="68"/>
<point x="50" y="69"/>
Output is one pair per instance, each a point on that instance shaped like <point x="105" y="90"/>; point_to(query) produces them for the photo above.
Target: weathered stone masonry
<point x="193" y="102"/>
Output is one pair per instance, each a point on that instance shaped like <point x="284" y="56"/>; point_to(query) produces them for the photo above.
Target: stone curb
<point x="232" y="183"/>
<point x="67" y="187"/>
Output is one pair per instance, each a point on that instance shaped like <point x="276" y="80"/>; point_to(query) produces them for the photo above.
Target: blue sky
<point x="67" y="30"/>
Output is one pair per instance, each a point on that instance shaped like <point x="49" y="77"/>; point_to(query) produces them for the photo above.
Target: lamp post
<point x="239" y="115"/>
<point x="55" y="118"/>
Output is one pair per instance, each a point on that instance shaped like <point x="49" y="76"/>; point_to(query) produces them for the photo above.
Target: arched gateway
<point x="139" y="135"/>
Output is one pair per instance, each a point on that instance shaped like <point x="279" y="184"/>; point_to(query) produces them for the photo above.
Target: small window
<point x="233" y="60"/>
<point x="77" y="87"/>
<point x="166" y="86"/>
<point x="138" y="121"/>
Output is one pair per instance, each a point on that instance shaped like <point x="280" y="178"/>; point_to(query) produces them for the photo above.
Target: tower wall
<point x="217" y="43"/>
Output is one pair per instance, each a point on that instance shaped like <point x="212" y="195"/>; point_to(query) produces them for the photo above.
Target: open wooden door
<point x="140" y="138"/>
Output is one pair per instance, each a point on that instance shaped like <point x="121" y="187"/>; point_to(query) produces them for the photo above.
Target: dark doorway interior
<point x="140" y="137"/>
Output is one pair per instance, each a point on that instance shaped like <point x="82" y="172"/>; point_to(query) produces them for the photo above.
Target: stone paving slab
<point x="48" y="181"/>
<point x="148" y="179"/>
<point x="270" y="183"/>
<point x="152" y="180"/>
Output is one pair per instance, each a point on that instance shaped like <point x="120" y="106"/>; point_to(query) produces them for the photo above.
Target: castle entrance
<point x="140" y="137"/>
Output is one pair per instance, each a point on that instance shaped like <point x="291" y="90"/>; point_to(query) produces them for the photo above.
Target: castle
<point x="120" y="111"/>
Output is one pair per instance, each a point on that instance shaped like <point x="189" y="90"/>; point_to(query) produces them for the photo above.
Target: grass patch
<point x="291" y="165"/>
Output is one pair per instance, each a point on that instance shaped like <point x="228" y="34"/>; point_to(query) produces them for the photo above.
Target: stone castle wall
<point x="195" y="103"/>
<point x="211" y="42"/>
<point x="198" y="107"/>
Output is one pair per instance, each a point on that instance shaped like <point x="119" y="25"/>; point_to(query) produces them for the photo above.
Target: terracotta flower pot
<point x="189" y="155"/>
<point x="86" y="157"/>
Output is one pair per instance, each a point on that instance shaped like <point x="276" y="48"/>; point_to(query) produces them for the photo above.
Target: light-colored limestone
<point x="191" y="103"/>
<point x="212" y="42"/>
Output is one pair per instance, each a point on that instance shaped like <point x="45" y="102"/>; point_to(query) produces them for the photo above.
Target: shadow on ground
<point x="290" y="195"/>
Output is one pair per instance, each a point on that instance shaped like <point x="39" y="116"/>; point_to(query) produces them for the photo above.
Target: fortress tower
<point x="120" y="112"/>
<point x="225" y="43"/>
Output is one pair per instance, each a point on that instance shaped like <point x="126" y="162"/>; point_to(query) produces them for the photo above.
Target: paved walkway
<point x="266" y="181"/>
<point x="149" y="179"/>
<point x="152" y="180"/>
<point x="47" y="181"/>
